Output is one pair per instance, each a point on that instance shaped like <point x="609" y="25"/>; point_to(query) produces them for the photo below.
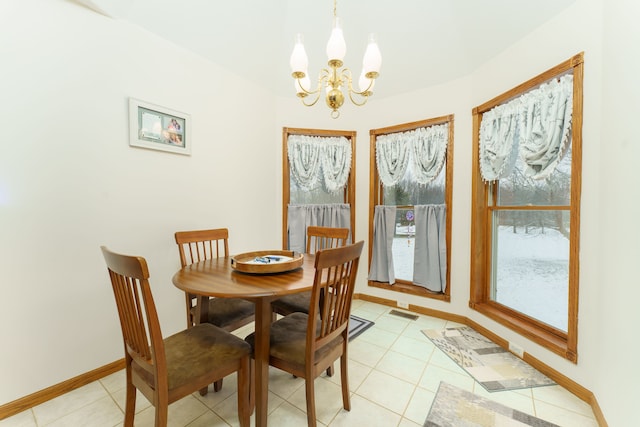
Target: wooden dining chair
<point x="166" y="370"/>
<point x="317" y="238"/>
<point x="304" y="344"/>
<point x="199" y="245"/>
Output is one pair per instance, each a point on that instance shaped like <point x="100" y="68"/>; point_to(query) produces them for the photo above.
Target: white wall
<point x="616" y="288"/>
<point x="69" y="182"/>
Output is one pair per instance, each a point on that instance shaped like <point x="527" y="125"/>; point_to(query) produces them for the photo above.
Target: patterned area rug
<point x="358" y="325"/>
<point x="493" y="367"/>
<point x="454" y="407"/>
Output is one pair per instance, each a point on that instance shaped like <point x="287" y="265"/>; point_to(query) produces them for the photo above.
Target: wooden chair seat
<point x="295" y="303"/>
<point x="195" y="353"/>
<point x="288" y="340"/>
<point x="226" y="313"/>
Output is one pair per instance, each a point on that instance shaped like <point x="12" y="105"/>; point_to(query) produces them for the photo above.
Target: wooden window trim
<point x="376" y="193"/>
<point x="350" y="190"/>
<point x="565" y="345"/>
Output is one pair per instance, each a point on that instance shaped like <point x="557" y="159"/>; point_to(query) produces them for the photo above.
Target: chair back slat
<point x="136" y="309"/>
<point x="200" y="245"/>
<point x="127" y="297"/>
<point x="319" y="238"/>
<point x="332" y="293"/>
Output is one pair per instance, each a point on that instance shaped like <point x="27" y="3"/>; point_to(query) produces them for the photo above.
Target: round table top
<point x="217" y="278"/>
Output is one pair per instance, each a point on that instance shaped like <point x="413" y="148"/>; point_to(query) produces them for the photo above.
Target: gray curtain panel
<point x="384" y="227"/>
<point x="326" y="215"/>
<point x="430" y="258"/>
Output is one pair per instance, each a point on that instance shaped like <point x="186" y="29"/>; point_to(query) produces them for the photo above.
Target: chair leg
<point x="203" y="391"/>
<point x="190" y="319"/>
<point x="252" y="385"/>
<point x="130" y="405"/>
<point x="330" y="371"/>
<point x="217" y="386"/>
<point x="344" y="381"/>
<point x="162" y="409"/>
<point x="161" y="417"/>
<point x="311" y="401"/>
<point x="245" y="403"/>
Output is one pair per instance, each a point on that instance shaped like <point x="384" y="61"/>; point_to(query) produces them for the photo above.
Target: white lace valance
<point x="536" y="125"/>
<point x="319" y="161"/>
<point x="421" y="151"/>
<point x="545" y="125"/>
<point x="429" y="151"/>
<point x="499" y="141"/>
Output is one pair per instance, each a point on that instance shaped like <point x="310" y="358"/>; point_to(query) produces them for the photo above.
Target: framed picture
<point x="159" y="128"/>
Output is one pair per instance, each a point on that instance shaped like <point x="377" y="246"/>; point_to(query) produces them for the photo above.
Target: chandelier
<point x="334" y="79"/>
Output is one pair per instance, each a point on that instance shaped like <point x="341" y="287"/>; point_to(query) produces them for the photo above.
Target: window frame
<point x="563" y="344"/>
<point x="349" y="191"/>
<point x="376" y="195"/>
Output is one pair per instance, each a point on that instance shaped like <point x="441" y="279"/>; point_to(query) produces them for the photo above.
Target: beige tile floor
<point x="394" y="373"/>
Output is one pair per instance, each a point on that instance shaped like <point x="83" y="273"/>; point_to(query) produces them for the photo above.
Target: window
<point x="526" y="219"/>
<point x="300" y="195"/>
<point x="407" y="195"/>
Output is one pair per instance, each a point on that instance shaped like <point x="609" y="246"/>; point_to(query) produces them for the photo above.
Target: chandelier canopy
<point x="335" y="78"/>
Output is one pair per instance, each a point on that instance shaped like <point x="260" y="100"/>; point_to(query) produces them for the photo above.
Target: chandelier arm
<point x="311" y="103"/>
<point x="346" y="73"/>
<point x="364" y="93"/>
<point x="365" y="98"/>
<point x="310" y="92"/>
<point x="323" y="77"/>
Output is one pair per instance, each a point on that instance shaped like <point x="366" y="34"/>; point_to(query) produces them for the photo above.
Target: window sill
<point x="545" y="338"/>
<point x="410" y="289"/>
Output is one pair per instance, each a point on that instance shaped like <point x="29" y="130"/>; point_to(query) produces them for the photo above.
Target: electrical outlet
<point x="403" y="304"/>
<point x="516" y="349"/>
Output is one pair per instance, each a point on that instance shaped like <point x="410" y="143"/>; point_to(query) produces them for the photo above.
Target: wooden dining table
<point x="217" y="278"/>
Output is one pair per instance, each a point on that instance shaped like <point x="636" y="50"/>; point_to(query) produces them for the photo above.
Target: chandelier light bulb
<point x="299" y="61"/>
<point x="372" y="57"/>
<point x="336" y="46"/>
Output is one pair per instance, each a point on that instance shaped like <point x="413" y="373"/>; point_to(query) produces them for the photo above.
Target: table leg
<point x="202" y="316"/>
<point x="261" y="355"/>
<point x="202" y="309"/>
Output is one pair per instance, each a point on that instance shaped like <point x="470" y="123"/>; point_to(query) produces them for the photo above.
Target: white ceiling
<point x="423" y="42"/>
